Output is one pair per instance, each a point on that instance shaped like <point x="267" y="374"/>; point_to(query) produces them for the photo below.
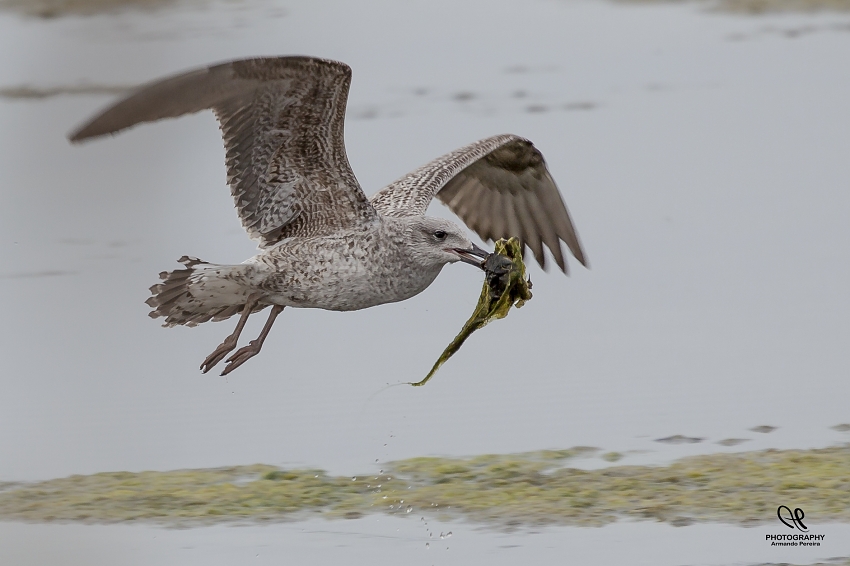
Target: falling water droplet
<point x="427" y="545"/>
<point x="409" y="509"/>
<point x="354" y="478"/>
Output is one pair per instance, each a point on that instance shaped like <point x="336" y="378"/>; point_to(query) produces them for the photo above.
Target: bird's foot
<point x="218" y="354"/>
<point x="242" y="355"/>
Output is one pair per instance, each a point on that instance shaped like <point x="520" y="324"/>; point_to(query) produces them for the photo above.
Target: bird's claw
<point x="241" y="356"/>
<point x="218" y="354"/>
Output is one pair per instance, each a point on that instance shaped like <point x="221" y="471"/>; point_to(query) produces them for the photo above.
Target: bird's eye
<point x="440" y="235"/>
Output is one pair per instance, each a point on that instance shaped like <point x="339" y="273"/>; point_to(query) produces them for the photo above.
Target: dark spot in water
<point x="367" y="114"/>
<point x="31" y="92"/>
<point x="536" y="108"/>
<point x="464" y="96"/>
<point x="764" y="429"/>
<point x="519" y="94"/>
<point x="841" y="427"/>
<point x="580" y="106"/>
<point x="732" y="441"/>
<point x="679" y="439"/>
<point x="36" y="274"/>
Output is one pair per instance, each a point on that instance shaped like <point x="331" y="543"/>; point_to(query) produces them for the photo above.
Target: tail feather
<point x="199" y="293"/>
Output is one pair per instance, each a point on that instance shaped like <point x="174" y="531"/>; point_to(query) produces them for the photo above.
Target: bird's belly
<point x="351" y="289"/>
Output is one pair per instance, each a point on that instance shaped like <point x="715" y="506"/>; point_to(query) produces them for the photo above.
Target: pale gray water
<point x="703" y="157"/>
<point x="390" y="541"/>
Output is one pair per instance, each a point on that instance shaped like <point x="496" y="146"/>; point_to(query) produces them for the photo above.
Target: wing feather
<point x="500" y="187"/>
<point x="282" y="123"/>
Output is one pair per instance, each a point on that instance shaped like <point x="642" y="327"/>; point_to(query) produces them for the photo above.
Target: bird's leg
<point x="245" y="353"/>
<point x="230" y="342"/>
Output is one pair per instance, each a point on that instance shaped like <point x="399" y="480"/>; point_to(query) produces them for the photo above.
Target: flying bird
<point x="322" y="242"/>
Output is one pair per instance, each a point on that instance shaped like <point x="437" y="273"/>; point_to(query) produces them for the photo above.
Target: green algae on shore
<point x="58" y="8"/>
<point x="757" y="7"/>
<point x="524" y="489"/>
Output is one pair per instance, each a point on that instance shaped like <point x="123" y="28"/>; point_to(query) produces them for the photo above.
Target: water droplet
<point x="354" y="478"/>
<point x="409" y="509"/>
<point x="427" y="545"/>
<point x="446" y="535"/>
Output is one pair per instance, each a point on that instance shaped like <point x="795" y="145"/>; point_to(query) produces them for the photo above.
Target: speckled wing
<point x="282" y="123"/>
<point x="500" y="187"/>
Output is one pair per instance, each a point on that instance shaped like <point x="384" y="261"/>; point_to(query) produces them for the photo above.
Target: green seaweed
<point x="505" y="286"/>
<point x="503" y="490"/>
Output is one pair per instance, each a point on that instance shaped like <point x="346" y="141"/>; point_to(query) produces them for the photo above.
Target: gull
<point x="322" y="243"/>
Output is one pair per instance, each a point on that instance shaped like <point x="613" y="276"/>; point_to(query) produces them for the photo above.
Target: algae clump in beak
<point x="505" y="286"/>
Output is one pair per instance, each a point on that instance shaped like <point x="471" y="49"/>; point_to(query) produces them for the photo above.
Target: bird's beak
<point x="471" y="255"/>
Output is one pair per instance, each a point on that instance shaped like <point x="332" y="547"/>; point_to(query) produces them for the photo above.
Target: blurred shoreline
<point x="49" y="9"/>
<point x="528" y="489"/>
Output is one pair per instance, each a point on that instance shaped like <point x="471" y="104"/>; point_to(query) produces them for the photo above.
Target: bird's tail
<point x="199" y="293"/>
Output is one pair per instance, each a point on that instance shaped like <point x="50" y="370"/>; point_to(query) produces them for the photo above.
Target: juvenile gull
<point x="322" y="243"/>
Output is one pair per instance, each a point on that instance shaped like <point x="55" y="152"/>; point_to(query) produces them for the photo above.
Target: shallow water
<point x="703" y="158"/>
<point x="379" y="541"/>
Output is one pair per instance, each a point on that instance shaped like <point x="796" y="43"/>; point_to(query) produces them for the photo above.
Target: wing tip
<point x="78" y="136"/>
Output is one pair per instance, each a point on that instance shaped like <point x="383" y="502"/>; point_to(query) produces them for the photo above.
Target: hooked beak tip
<point x="473" y="256"/>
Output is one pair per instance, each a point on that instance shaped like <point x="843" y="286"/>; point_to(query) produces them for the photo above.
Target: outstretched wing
<point x="282" y="123"/>
<point x="500" y="187"/>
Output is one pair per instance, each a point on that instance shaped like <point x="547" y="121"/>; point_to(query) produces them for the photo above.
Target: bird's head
<point x="435" y="242"/>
